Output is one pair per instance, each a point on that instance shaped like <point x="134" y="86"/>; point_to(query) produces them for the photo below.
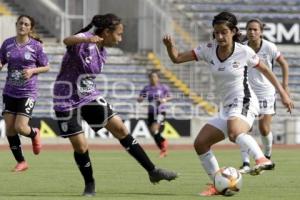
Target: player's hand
<point x="163" y="100"/>
<point x="287" y="102"/>
<point x="168" y="41"/>
<point x="27" y="73"/>
<point x="95" y="39"/>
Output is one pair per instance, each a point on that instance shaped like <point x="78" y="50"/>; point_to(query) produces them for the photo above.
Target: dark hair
<point x="101" y="22"/>
<point x="261" y="24"/>
<point x="33" y="33"/>
<point x="229" y="20"/>
<point x="154" y="71"/>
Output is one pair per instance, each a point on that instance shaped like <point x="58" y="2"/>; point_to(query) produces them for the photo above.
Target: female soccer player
<point x="229" y="62"/>
<point x="263" y="88"/>
<point x="76" y="98"/>
<point x="157" y="95"/>
<point x="25" y="59"/>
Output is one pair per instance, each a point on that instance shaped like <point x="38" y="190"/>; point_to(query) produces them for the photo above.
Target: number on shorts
<point x="29" y="105"/>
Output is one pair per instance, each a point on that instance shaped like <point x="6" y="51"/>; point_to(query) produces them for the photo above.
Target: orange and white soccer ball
<point x="228" y="181"/>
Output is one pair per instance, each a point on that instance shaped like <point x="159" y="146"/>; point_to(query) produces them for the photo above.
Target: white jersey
<point x="268" y="53"/>
<point x="231" y="74"/>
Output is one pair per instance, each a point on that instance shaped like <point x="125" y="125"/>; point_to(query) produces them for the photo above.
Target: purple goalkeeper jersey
<point x="75" y="84"/>
<point x="153" y="95"/>
<point x="19" y="57"/>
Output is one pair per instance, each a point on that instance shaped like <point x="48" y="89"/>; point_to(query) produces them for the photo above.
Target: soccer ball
<point x="228" y="181"/>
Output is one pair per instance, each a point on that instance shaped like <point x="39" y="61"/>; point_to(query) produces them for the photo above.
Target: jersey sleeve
<point x="143" y="92"/>
<point x="42" y="58"/>
<point x="252" y="57"/>
<point x="274" y="52"/>
<point x="203" y="51"/>
<point x="167" y="91"/>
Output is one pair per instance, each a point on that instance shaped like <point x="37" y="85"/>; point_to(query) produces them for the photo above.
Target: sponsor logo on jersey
<point x="27" y="55"/>
<point x="209" y="45"/>
<point x="235" y="64"/>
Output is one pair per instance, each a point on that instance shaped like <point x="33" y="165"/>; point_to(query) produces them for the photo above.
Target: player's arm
<point x="27" y="73"/>
<point x="173" y="53"/>
<point x="285" y="72"/>
<point x="272" y="78"/>
<point x="75" y="39"/>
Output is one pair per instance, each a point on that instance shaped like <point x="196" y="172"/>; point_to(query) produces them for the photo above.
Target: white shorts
<point x="237" y="109"/>
<point x="267" y="105"/>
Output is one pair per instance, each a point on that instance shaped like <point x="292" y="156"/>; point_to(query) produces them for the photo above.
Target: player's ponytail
<point x="101" y="22"/>
<point x="229" y="20"/>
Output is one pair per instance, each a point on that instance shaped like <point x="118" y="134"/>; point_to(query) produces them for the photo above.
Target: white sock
<point x="267" y="142"/>
<point x="247" y="142"/>
<point x="209" y="163"/>
<point x="245" y="155"/>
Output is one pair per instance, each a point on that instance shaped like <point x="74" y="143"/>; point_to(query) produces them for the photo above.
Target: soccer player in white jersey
<point x="263" y="88"/>
<point x="229" y="62"/>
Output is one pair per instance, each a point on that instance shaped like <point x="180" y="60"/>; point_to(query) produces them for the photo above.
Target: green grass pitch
<point x="54" y="176"/>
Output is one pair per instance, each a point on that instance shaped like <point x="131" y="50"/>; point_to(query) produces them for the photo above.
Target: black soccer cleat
<point x="158" y="174"/>
<point x="89" y="190"/>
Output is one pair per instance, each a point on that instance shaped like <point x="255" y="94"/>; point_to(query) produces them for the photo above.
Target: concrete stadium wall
<point x="7" y="27"/>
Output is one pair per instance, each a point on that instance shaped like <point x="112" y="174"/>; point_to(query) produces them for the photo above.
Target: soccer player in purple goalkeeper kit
<point x="229" y="62"/>
<point x="76" y="98"/>
<point x="157" y="95"/>
<point x="25" y="59"/>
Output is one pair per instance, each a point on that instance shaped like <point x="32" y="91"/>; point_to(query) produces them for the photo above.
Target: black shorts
<point x="96" y="114"/>
<point x="18" y="106"/>
<point x="156" y="118"/>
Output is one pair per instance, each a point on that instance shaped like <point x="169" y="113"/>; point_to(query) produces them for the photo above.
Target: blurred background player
<point x="25" y="59"/>
<point x="229" y="62"/>
<point x="263" y="88"/>
<point x="157" y="95"/>
<point x="76" y="98"/>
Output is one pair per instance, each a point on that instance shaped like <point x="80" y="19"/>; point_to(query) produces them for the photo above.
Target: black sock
<point x="158" y="139"/>
<point x="32" y="133"/>
<point x="134" y="149"/>
<point x="85" y="166"/>
<point x="15" y="147"/>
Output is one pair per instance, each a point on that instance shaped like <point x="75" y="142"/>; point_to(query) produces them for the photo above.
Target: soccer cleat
<point x="21" y="166"/>
<point x="36" y="142"/>
<point x="89" y="190"/>
<point x="158" y="174"/>
<point x="163" y="149"/>
<point x="209" y="191"/>
<point x="261" y="165"/>
<point x="245" y="168"/>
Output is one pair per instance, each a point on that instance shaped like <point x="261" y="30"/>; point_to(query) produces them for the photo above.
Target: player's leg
<point x="99" y="114"/>
<point x="266" y="134"/>
<point x="237" y="132"/>
<point x="208" y="136"/>
<point x="83" y="161"/>
<point x="156" y="129"/>
<point x="24" y="111"/>
<point x="116" y="126"/>
<point x="14" y="142"/>
<point x="70" y="127"/>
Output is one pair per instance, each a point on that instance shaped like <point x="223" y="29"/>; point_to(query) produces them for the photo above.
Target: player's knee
<point x="200" y="146"/>
<point x="20" y="128"/>
<point x="81" y="149"/>
<point x="264" y="130"/>
<point x="232" y="136"/>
